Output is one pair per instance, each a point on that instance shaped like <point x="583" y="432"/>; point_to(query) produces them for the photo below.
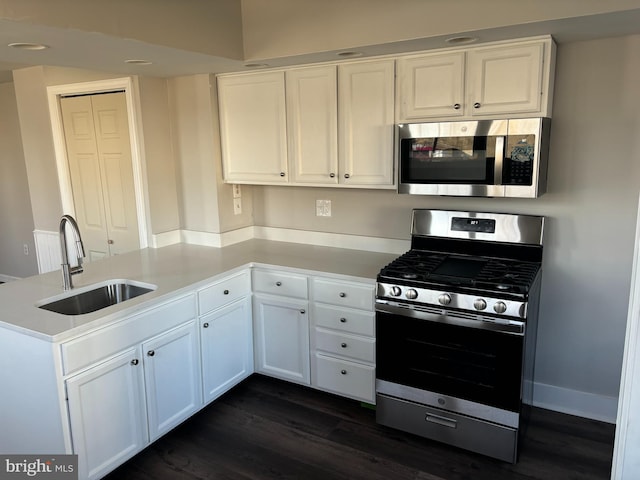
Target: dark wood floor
<point x="268" y="429"/>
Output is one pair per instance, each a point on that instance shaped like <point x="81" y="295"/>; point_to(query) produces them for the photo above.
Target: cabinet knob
<point x="205" y="325"/>
<point x="151" y="353"/>
<point x="346" y="175"/>
<point x="342" y="294"/>
<point x="134" y="361"/>
<point x="343" y="372"/>
<point x="476" y="105"/>
<point x="226" y="292"/>
<point x="456" y="106"/>
<point x="110" y="242"/>
<point x="278" y="284"/>
<point x="343" y="345"/>
<point x="282" y="174"/>
<point x="332" y="175"/>
<point x="343" y="320"/>
<point x="303" y="311"/>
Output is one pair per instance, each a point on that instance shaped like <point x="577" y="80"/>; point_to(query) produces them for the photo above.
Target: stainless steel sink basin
<point x="97" y="297"/>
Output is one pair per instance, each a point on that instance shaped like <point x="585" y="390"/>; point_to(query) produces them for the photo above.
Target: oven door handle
<point x="514" y="327"/>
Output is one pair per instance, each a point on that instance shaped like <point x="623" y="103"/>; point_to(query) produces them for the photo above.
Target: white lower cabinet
<point x="227" y="347"/>
<point x="343" y="345"/>
<point x="135" y="380"/>
<point x="282" y="337"/>
<point x="172" y="378"/>
<point x="226" y="334"/>
<point x="118" y="406"/>
<point x="108" y="414"/>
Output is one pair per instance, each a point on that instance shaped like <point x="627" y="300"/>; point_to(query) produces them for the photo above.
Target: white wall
<point x="594" y="180"/>
<point x="16" y="219"/>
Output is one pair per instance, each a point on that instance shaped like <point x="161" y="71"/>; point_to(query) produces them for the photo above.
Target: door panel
<point x="112" y="138"/>
<point x="84" y="168"/>
<point x="99" y="154"/>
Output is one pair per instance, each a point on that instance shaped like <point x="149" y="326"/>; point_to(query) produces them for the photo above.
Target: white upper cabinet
<point x="253" y="127"/>
<point x="514" y="79"/>
<point x="431" y="86"/>
<point x="366" y="120"/>
<point x="328" y="125"/>
<point x="312" y="114"/>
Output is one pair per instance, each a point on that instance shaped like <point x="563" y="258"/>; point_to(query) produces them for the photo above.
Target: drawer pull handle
<point x="343" y="372"/>
<point x="226" y="292"/>
<point x="151" y="353"/>
<point x="439" y="420"/>
<point x="278" y="284"/>
<point x="342" y="294"/>
<point x="343" y="320"/>
<point x="135" y="361"/>
<point x="205" y="325"/>
<point x="343" y="345"/>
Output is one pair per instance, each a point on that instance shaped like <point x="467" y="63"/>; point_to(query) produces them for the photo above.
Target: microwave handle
<point x="497" y="172"/>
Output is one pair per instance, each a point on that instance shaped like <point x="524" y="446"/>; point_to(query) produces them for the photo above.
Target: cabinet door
<point x="226" y="337"/>
<point x="366" y="122"/>
<point x="282" y="338"/>
<point x="431" y="86"/>
<point x="253" y="128"/>
<point x="107" y="414"/>
<point x="172" y="378"/>
<point x="312" y="114"/>
<point x="505" y="79"/>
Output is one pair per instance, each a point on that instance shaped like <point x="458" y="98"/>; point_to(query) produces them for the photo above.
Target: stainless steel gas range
<point x="456" y="325"/>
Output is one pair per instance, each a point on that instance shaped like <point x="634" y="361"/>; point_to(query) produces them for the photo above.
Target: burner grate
<point x="422" y="267"/>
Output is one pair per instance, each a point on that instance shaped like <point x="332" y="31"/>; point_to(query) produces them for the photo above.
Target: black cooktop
<point x="421" y="268"/>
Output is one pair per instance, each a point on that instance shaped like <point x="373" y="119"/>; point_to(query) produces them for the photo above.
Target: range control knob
<point x="479" y="304"/>
<point x="411" y="294"/>
<point x="395" y="291"/>
<point x="444" y="299"/>
<point x="500" y="307"/>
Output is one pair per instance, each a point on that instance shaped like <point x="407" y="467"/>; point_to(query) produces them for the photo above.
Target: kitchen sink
<point x="97" y="297"/>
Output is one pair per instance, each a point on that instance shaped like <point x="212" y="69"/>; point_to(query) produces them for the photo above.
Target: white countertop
<point x="173" y="269"/>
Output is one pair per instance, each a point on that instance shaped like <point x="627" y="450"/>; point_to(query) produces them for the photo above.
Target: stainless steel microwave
<point x="484" y="158"/>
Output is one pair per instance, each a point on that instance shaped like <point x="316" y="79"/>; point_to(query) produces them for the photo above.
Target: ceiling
<point x="101" y="52"/>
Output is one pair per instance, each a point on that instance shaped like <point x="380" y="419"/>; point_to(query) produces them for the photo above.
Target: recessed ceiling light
<point x="138" y="62"/>
<point x="256" y="65"/>
<point x="460" y="40"/>
<point x="28" y="46"/>
<point x="349" y="54"/>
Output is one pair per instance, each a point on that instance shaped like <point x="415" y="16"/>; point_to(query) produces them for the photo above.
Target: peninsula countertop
<point x="174" y="269"/>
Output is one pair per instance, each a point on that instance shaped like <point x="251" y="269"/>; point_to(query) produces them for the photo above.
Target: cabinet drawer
<point x="358" y="348"/>
<point x="344" y="319"/>
<point x="345" y="378"/>
<point x="93" y="347"/>
<point x="225" y="291"/>
<point x="280" y="283"/>
<point x="346" y="294"/>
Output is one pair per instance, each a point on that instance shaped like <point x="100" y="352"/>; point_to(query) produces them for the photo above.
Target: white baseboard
<point x="8" y="278"/>
<point x="353" y="242"/>
<point x="575" y="402"/>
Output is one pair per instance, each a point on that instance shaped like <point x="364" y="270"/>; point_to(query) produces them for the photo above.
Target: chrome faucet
<point x="68" y="270"/>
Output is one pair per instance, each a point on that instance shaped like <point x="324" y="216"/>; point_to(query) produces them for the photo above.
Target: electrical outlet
<point x="237" y="206"/>
<point x="237" y="193"/>
<point x="25" y="249"/>
<point x="323" y="208"/>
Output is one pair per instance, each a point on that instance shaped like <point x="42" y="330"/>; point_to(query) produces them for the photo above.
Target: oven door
<point x="446" y="355"/>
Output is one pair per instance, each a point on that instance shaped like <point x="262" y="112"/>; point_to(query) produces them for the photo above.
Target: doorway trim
<point x="127" y="85"/>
